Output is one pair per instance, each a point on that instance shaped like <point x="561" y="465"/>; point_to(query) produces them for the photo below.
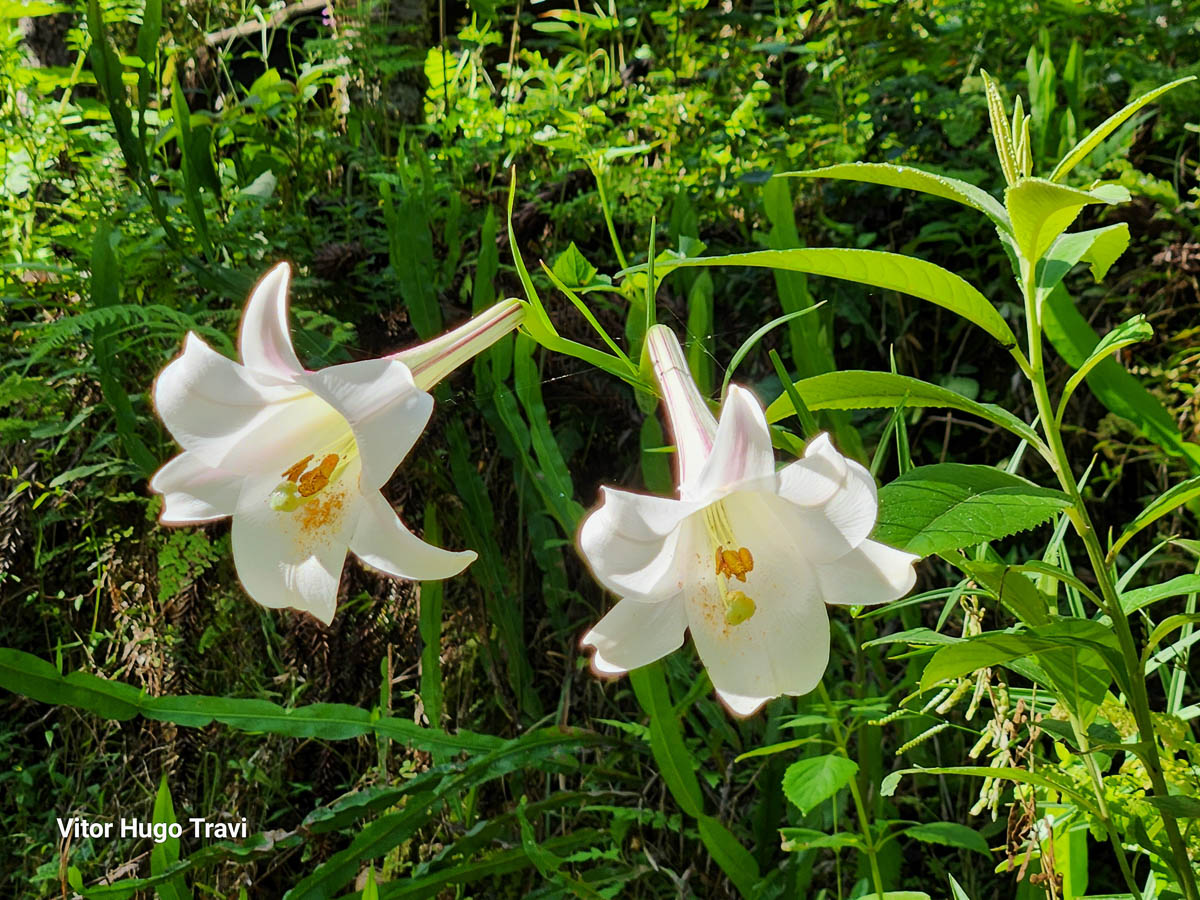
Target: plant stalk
<point x="1138" y="697"/>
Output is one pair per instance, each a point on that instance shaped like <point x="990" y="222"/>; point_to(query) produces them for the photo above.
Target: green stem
<point x="1138" y="697"/>
<point x="864" y="822"/>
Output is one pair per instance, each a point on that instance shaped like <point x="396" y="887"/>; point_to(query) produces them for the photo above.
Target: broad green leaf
<point x="1120" y="392"/>
<point x="853" y="389"/>
<point x="914" y="179"/>
<point x="1042" y="210"/>
<point x="1100" y="247"/>
<point x="949" y="834"/>
<point x="808" y="783"/>
<point x="1013" y="589"/>
<point x="1092" y="140"/>
<point x="796" y="839"/>
<point x="1177" y="496"/>
<point x="877" y="268"/>
<point x="1133" y="331"/>
<point x="943" y="507"/>
<point x="573" y="269"/>
<point x="1071" y="652"/>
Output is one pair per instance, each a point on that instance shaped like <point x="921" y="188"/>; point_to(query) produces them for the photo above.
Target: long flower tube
<point x="744" y="557"/>
<point x="298" y="458"/>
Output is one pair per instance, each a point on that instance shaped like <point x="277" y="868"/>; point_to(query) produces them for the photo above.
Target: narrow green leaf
<point x="430" y="628"/>
<point x="1178" y="805"/>
<point x="949" y="834"/>
<point x="878" y="268"/>
<point x="23" y="673"/>
<point x="1009" y="773"/>
<point x="797" y="839"/>
<point x="1119" y="391"/>
<point x="914" y="179"/>
<point x="1133" y="331"/>
<point x="1080" y="151"/>
<point x="671" y="755"/>
<point x="853" y="389"/>
<point x="758" y="335"/>
<point x="1005" y="152"/>
<point x="808" y="783"/>
<point x="1140" y="598"/>
<point x="735" y="860"/>
<point x="1177" y="496"/>
<point x="934" y="509"/>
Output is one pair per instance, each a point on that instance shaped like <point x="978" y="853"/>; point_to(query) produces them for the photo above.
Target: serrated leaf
<point x="949" y="834"/>
<point x="890" y="175"/>
<point x="808" y="783"/>
<point x="853" y="389"/>
<point x="1042" y="210"/>
<point x="1092" y="140"/>
<point x="938" y="508"/>
<point x="877" y="268"/>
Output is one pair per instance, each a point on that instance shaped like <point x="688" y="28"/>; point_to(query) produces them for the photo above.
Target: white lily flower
<point x="745" y="557"/>
<point x="298" y="457"/>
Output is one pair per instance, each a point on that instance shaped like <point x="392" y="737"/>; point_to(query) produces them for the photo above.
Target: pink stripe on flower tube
<point x="434" y="360"/>
<point x="692" y="424"/>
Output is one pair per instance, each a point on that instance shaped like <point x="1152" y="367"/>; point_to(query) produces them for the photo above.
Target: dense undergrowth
<point x="154" y="169"/>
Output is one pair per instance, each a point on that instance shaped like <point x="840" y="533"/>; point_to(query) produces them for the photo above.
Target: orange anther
<point x="746" y="558"/>
<point x="733" y="564"/>
<point x="720" y="562"/>
<point x="297" y="470"/>
<point x="315" y="479"/>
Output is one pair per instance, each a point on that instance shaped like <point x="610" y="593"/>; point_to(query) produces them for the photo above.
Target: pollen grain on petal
<point x="322" y="514"/>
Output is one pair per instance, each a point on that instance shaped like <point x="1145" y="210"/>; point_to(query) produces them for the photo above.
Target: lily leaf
<point x="856" y="389"/>
<point x="1091" y="141"/>
<point x="1134" y="331"/>
<point x="878" y="268"/>
<point x="914" y="179"/>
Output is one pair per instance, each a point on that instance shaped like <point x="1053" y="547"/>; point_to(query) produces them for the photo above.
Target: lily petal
<point x="631" y="540"/>
<point x="783" y="647"/>
<point x="193" y="492"/>
<point x="385" y="410"/>
<point x="814" y="479"/>
<point x="635" y="634"/>
<point x="233" y="419"/>
<point x="693" y="427"/>
<point x="871" y="573"/>
<point x="382" y="542"/>
<point x="854" y="507"/>
<point x="295" y="558"/>
<point x="741" y="450"/>
<point x="265" y="343"/>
